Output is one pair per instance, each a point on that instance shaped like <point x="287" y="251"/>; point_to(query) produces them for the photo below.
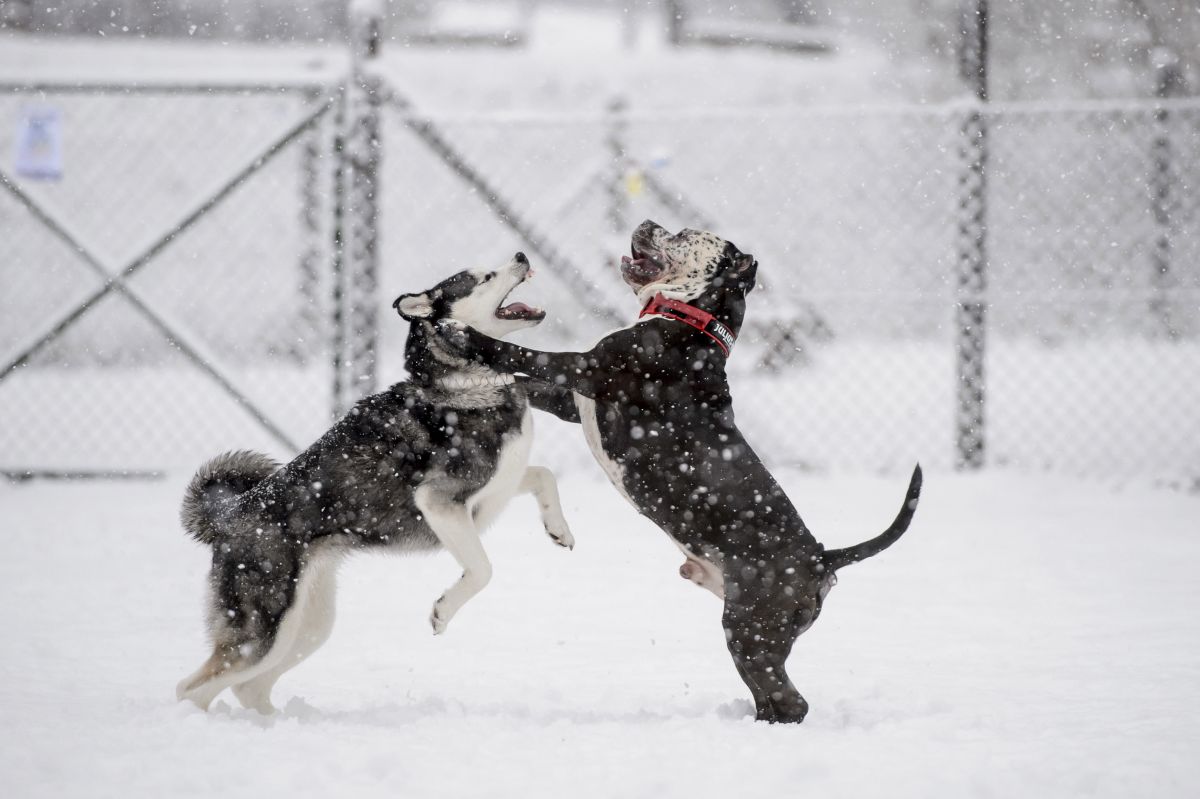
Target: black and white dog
<point x="429" y="462"/>
<point x="655" y="406"/>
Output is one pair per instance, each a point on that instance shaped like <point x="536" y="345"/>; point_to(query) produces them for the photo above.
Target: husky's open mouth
<point x="519" y="311"/>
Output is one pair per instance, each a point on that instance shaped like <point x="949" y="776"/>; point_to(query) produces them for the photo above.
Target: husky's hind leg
<point x="248" y="642"/>
<point x="191" y="687"/>
<point x="452" y="524"/>
<point x="234" y="664"/>
<point x="224" y="668"/>
<point x="315" y="610"/>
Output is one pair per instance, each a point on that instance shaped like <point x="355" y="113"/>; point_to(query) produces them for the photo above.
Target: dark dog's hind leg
<point x="760" y="641"/>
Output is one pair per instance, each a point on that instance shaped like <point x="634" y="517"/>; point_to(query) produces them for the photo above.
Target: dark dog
<point x="655" y="407"/>
<point x="428" y="463"/>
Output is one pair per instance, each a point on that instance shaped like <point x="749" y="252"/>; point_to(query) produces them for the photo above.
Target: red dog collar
<point x="692" y="316"/>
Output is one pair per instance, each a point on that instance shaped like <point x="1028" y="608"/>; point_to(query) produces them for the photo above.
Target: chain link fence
<point x="1095" y="288"/>
<point x="859" y="219"/>
<point x="857" y="216"/>
<point x="165" y="283"/>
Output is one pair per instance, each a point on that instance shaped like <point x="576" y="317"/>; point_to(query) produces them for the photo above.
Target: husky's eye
<point x="488" y="276"/>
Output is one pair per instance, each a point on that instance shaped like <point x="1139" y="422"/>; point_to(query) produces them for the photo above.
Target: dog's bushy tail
<point x="837" y="558"/>
<point x="218" y="480"/>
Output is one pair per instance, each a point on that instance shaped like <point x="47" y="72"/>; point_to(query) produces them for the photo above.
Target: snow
<point x="1030" y="636"/>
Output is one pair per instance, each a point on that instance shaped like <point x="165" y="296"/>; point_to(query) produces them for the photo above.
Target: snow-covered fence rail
<point x="849" y="358"/>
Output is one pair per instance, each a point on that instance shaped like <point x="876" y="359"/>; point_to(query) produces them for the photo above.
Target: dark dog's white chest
<point x="591" y="434"/>
<point x="711" y="577"/>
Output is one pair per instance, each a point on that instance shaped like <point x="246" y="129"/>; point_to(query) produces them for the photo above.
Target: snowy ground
<point x="1029" y="637"/>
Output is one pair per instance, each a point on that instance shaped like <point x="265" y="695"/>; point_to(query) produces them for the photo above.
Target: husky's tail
<point x="219" y="479"/>
<point x="837" y="558"/>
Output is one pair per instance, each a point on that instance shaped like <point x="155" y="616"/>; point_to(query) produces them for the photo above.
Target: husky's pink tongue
<point x="519" y="310"/>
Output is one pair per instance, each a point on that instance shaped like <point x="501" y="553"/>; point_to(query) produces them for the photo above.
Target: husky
<point x="429" y="462"/>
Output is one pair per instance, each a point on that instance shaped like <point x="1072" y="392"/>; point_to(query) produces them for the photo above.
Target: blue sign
<point x="39" y="144"/>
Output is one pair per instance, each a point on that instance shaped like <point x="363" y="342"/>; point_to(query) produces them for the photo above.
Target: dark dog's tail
<point x="837" y="558"/>
<point x="218" y="480"/>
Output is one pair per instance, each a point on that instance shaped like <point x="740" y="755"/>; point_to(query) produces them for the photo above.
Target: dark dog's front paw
<point x="453" y="334"/>
<point x="462" y="340"/>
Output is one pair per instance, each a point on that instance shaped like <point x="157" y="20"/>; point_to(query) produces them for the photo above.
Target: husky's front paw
<point x="439" y="618"/>
<point x="561" y="535"/>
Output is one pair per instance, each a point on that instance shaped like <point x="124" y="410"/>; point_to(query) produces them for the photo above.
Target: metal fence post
<point x="309" y="317"/>
<point x="971" y="243"/>
<point x="337" y="304"/>
<point x="1169" y="82"/>
<point x="675" y="21"/>
<point x="356" y="231"/>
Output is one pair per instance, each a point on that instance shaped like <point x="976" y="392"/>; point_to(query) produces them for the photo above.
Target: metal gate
<point x="139" y="279"/>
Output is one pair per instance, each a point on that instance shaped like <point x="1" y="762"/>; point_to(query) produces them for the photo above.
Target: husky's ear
<point x="414" y="306"/>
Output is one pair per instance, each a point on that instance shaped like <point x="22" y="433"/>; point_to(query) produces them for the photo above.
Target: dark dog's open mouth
<point x="640" y="267"/>
<point x="519" y="311"/>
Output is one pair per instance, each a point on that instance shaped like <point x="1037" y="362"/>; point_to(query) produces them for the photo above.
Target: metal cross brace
<point x="117" y="282"/>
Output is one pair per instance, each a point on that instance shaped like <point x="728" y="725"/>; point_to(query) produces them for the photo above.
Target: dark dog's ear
<point x="414" y="306"/>
<point x="744" y="264"/>
<point x="746" y="269"/>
